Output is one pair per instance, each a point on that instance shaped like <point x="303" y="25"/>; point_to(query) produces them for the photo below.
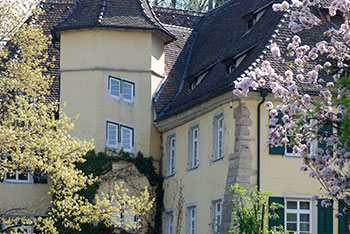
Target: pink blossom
<point x="275" y="51"/>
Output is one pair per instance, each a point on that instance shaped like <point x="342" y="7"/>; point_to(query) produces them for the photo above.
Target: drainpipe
<point x="263" y="93"/>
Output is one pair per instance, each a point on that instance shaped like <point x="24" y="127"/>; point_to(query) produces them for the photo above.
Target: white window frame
<point x="110" y="79"/>
<point x="169" y="222"/>
<point x="17" y="180"/>
<point x="29" y="179"/>
<point x="218" y="149"/>
<point x="215" y="223"/>
<point x="122" y="83"/>
<point x="193" y="146"/>
<point x="191" y="227"/>
<point x="132" y="91"/>
<point x="119" y="136"/>
<point x="130" y="139"/>
<point x="298" y="211"/>
<point x="170" y="155"/>
<point x="108" y="135"/>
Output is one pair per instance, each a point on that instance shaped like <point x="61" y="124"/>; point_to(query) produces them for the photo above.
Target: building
<point x="160" y="81"/>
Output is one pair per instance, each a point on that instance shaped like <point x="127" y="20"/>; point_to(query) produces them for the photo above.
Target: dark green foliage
<point x="100" y="164"/>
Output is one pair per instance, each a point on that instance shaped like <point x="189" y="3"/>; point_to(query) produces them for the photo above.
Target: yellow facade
<point x="280" y="175"/>
<point x="88" y="58"/>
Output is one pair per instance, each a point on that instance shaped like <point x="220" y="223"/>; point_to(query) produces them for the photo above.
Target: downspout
<point x="263" y="93"/>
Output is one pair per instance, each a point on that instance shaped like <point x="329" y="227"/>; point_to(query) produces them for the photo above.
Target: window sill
<point x="169" y="176"/>
<point x="213" y="161"/>
<point x="192" y="168"/>
<point x="292" y="156"/>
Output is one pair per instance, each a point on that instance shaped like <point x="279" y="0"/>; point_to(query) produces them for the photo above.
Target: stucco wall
<point x="88" y="57"/>
<point x="280" y="175"/>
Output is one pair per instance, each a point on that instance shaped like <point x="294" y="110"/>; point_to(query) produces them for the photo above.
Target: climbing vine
<point x="102" y="163"/>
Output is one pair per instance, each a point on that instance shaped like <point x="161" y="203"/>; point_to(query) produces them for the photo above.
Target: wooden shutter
<point x="280" y="221"/>
<point x="344" y="220"/>
<point x="278" y="150"/>
<point x="329" y="129"/>
<point x="324" y="218"/>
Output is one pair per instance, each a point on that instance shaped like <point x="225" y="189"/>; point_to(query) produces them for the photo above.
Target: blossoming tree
<point x="34" y="140"/>
<point x="325" y="117"/>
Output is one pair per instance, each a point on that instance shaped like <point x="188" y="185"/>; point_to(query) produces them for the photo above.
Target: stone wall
<point x="240" y="162"/>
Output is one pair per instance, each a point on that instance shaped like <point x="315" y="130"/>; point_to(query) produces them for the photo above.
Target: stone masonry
<point x="240" y="162"/>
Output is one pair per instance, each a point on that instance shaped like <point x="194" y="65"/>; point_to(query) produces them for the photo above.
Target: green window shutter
<point x="329" y="129"/>
<point x="344" y="220"/>
<point x="278" y="150"/>
<point x="39" y="179"/>
<point x="280" y="212"/>
<point x="324" y="219"/>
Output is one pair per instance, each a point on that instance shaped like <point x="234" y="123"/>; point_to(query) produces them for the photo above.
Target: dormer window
<point x="250" y="23"/>
<point x="233" y="63"/>
<point x="194" y="81"/>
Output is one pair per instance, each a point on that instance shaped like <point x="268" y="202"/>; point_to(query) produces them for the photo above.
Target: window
<point x="114" y="87"/>
<point x="126" y="141"/>
<point x="119" y="136"/>
<point x="216" y="208"/>
<point x="193" y="147"/>
<point x="119" y="88"/>
<point x="127" y="91"/>
<point x="112" y="135"/>
<point x="218" y="137"/>
<point x="168" y="222"/>
<point x="298" y="216"/>
<point x="170" y="155"/>
<point x="192" y="220"/>
<point x="18" y="177"/>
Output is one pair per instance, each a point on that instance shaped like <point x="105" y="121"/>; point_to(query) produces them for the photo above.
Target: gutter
<point x="263" y="94"/>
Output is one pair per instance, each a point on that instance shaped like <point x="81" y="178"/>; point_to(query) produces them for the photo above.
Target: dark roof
<point x="177" y="17"/>
<point x="122" y="14"/>
<point x="54" y="12"/>
<point x="220" y="36"/>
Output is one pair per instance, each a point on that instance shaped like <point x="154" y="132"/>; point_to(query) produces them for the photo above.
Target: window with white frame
<point x="126" y="138"/>
<point x="193" y="151"/>
<point x="16" y="176"/>
<point x="114" y="87"/>
<point x="119" y="88"/>
<point x="298" y="216"/>
<point x="218" y="137"/>
<point x="191" y="220"/>
<point x="127" y="91"/>
<point x="170" y="155"/>
<point x="216" y="210"/>
<point x="169" y="222"/>
<point x="119" y="136"/>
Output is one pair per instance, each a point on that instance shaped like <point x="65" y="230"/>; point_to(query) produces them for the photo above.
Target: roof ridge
<point x="266" y="47"/>
<point x="193" y="12"/>
<point x="155" y="17"/>
<point x="212" y="11"/>
<point x="179" y="27"/>
<point x="102" y="11"/>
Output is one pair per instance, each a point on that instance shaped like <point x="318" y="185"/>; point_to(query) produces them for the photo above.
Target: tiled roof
<point x="130" y="14"/>
<point x="177" y="17"/>
<point x="55" y="11"/>
<point x="221" y="35"/>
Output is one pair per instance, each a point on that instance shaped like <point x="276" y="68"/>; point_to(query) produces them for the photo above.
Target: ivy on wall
<point x="100" y="164"/>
